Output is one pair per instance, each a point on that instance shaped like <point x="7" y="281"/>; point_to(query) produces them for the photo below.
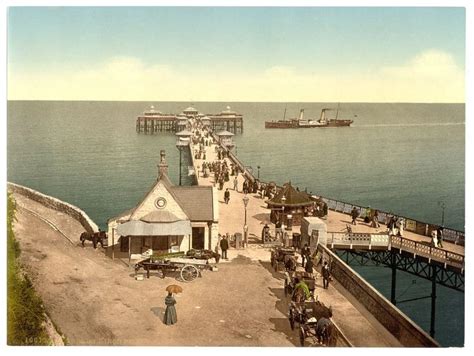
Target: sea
<point x="408" y="159"/>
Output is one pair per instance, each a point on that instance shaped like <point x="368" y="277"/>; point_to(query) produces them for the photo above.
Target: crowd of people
<point x="395" y="224"/>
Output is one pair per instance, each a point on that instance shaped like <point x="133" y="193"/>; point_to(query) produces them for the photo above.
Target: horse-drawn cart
<point x="292" y="278"/>
<point x="189" y="268"/>
<point x="280" y="256"/>
<point x="314" y="321"/>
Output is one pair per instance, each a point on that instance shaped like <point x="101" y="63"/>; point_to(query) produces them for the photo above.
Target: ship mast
<point x="337" y="111"/>
<point x="284" y="114"/>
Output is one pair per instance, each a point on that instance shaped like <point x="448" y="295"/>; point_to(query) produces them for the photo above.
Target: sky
<point x="301" y="54"/>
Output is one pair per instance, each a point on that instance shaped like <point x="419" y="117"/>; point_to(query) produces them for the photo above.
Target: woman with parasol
<point x="170" y="313"/>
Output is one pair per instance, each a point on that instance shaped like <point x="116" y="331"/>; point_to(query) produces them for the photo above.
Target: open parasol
<point x="173" y="288"/>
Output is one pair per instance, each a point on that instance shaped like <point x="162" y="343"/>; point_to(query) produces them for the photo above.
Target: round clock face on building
<point x="160" y="203"/>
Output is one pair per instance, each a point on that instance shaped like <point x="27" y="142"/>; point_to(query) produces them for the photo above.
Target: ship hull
<point x="291" y="124"/>
<point x="281" y="124"/>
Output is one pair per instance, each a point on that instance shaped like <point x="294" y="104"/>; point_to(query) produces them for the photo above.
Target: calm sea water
<point x="404" y="158"/>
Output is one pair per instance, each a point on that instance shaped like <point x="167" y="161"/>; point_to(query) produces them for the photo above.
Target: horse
<point x="321" y="311"/>
<point x="94" y="237"/>
<point x="290" y="263"/>
<point x="324" y="331"/>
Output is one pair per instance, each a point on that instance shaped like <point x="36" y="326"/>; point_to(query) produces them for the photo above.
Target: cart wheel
<point x="189" y="273"/>
<point x="302" y="336"/>
<point x="291" y="318"/>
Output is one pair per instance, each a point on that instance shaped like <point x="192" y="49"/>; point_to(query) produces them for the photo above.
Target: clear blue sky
<point x="250" y="37"/>
<point x="42" y="39"/>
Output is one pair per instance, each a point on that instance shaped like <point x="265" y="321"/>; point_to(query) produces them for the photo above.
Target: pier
<point x="153" y="121"/>
<point x="411" y="253"/>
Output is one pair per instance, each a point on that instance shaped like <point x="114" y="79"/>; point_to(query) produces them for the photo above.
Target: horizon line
<point x="238" y="101"/>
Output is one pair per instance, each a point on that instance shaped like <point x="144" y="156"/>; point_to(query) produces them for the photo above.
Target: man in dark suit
<point x="227" y="196"/>
<point x="224" y="247"/>
<point x="305" y="254"/>
<point x="326" y="275"/>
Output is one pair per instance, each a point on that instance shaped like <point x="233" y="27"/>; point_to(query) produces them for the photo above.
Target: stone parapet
<point x="393" y="319"/>
<point x="56" y="204"/>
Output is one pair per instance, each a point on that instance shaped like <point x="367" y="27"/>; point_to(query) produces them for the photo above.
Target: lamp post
<point x="258" y="172"/>
<point x="279" y="230"/>
<point x="245" y="199"/>
<point x="443" y="206"/>
<point x="283" y="201"/>
<point x="183" y="138"/>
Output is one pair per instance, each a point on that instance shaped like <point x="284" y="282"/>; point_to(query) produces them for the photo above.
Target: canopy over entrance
<point x="141" y="228"/>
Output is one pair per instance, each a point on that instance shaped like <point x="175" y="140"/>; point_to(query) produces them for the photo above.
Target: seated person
<point x="300" y="284"/>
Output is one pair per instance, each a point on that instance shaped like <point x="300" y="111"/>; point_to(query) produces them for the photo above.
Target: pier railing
<point x="344" y="240"/>
<point x="412" y="225"/>
<point x="353" y="240"/>
<point x="428" y="251"/>
<point x="418" y="227"/>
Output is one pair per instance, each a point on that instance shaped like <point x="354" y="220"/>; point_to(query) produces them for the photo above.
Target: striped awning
<point x="141" y="228"/>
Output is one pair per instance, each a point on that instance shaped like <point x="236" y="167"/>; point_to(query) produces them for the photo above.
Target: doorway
<point x="198" y="238"/>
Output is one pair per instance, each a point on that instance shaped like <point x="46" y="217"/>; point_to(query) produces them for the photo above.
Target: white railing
<point x="368" y="241"/>
<point x="358" y="240"/>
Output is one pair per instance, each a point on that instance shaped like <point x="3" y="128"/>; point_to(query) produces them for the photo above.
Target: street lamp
<point x="258" y="172"/>
<point x="245" y="199"/>
<point x="443" y="206"/>
<point x="183" y="139"/>
<point x="283" y="201"/>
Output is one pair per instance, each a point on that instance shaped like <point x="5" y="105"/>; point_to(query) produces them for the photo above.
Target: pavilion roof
<point x="224" y="133"/>
<point x="293" y="197"/>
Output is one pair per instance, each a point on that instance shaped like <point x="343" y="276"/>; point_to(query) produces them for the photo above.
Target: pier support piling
<point x="394" y="279"/>
<point x="434" y="272"/>
<point x="180" y="163"/>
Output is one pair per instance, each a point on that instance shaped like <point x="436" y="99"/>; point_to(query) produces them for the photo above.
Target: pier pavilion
<point x="190" y="112"/>
<point x="168" y="219"/>
<point x="227" y="120"/>
<point x="225" y="139"/>
<point x="152" y="120"/>
<point x="288" y="205"/>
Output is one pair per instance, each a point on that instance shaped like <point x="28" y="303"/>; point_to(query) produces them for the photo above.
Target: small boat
<point x="303" y="123"/>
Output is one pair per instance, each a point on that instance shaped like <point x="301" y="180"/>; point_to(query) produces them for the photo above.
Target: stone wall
<point x="395" y="321"/>
<point x="56" y="204"/>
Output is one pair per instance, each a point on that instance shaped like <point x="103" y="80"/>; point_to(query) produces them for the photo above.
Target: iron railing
<point x="342" y="240"/>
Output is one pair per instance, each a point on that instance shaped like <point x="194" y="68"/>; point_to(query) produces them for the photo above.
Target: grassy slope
<point x="25" y="311"/>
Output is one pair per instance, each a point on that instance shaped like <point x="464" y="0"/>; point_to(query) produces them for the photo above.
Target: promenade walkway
<point x="358" y="325"/>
